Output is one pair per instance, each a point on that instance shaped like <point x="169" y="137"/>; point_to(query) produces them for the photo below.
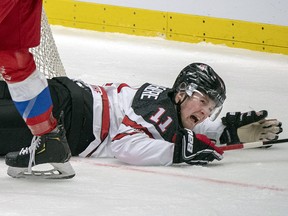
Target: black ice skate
<point x="51" y="148"/>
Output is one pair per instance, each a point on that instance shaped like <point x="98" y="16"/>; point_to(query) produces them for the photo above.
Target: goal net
<point x="46" y="55"/>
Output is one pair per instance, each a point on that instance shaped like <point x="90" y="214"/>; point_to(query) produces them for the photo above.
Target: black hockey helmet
<point x="201" y="77"/>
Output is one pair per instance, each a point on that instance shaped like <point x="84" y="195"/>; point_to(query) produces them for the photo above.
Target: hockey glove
<point x="267" y="129"/>
<point x="249" y="127"/>
<point x="195" y="149"/>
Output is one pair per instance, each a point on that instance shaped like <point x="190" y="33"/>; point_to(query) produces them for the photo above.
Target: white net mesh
<point x="46" y="55"/>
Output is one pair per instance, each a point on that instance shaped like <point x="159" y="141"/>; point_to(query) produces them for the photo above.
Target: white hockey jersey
<point x="137" y="125"/>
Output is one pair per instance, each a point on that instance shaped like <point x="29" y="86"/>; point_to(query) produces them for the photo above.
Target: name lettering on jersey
<point x="152" y="92"/>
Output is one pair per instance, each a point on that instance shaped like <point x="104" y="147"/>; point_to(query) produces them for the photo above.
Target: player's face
<point x="195" y="109"/>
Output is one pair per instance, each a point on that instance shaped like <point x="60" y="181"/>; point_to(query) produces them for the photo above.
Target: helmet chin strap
<point x="178" y="108"/>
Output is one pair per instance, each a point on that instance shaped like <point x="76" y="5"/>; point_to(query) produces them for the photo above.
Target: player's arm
<point x="137" y="147"/>
<point x="238" y="127"/>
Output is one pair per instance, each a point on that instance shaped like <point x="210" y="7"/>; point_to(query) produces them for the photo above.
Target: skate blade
<point x="58" y="171"/>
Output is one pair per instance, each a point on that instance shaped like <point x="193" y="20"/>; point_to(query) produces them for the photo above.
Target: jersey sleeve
<point x="212" y="129"/>
<point x="139" y="143"/>
<point x="137" y="148"/>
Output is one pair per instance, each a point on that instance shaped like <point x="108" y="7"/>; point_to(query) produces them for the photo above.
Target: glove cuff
<point x="229" y="135"/>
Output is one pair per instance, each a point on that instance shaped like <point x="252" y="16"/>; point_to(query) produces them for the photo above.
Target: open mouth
<point x="194" y="118"/>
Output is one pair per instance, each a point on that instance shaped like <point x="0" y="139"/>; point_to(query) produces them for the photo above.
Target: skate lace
<point x="31" y="150"/>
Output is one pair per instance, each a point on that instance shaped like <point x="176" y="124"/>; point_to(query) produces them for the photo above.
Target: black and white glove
<point x="249" y="127"/>
<point x="195" y="149"/>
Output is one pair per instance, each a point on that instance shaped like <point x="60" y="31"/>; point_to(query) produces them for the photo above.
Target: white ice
<point x="246" y="182"/>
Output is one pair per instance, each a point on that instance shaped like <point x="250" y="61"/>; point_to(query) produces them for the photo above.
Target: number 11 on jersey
<point x="156" y="118"/>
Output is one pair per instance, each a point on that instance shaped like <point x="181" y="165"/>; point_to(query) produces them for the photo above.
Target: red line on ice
<point x="216" y="181"/>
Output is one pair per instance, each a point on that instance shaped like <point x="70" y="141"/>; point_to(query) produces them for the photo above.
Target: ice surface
<point x="246" y="182"/>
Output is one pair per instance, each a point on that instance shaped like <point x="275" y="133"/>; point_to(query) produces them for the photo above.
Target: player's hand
<point x="195" y="149"/>
<point x="267" y="129"/>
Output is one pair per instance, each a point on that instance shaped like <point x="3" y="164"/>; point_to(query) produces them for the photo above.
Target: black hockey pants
<point x="76" y="103"/>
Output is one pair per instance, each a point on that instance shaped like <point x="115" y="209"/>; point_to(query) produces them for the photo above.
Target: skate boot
<point x="51" y="148"/>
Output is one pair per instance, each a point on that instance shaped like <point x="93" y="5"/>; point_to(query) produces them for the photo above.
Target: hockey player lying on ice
<point x="149" y="125"/>
<point x="144" y="126"/>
